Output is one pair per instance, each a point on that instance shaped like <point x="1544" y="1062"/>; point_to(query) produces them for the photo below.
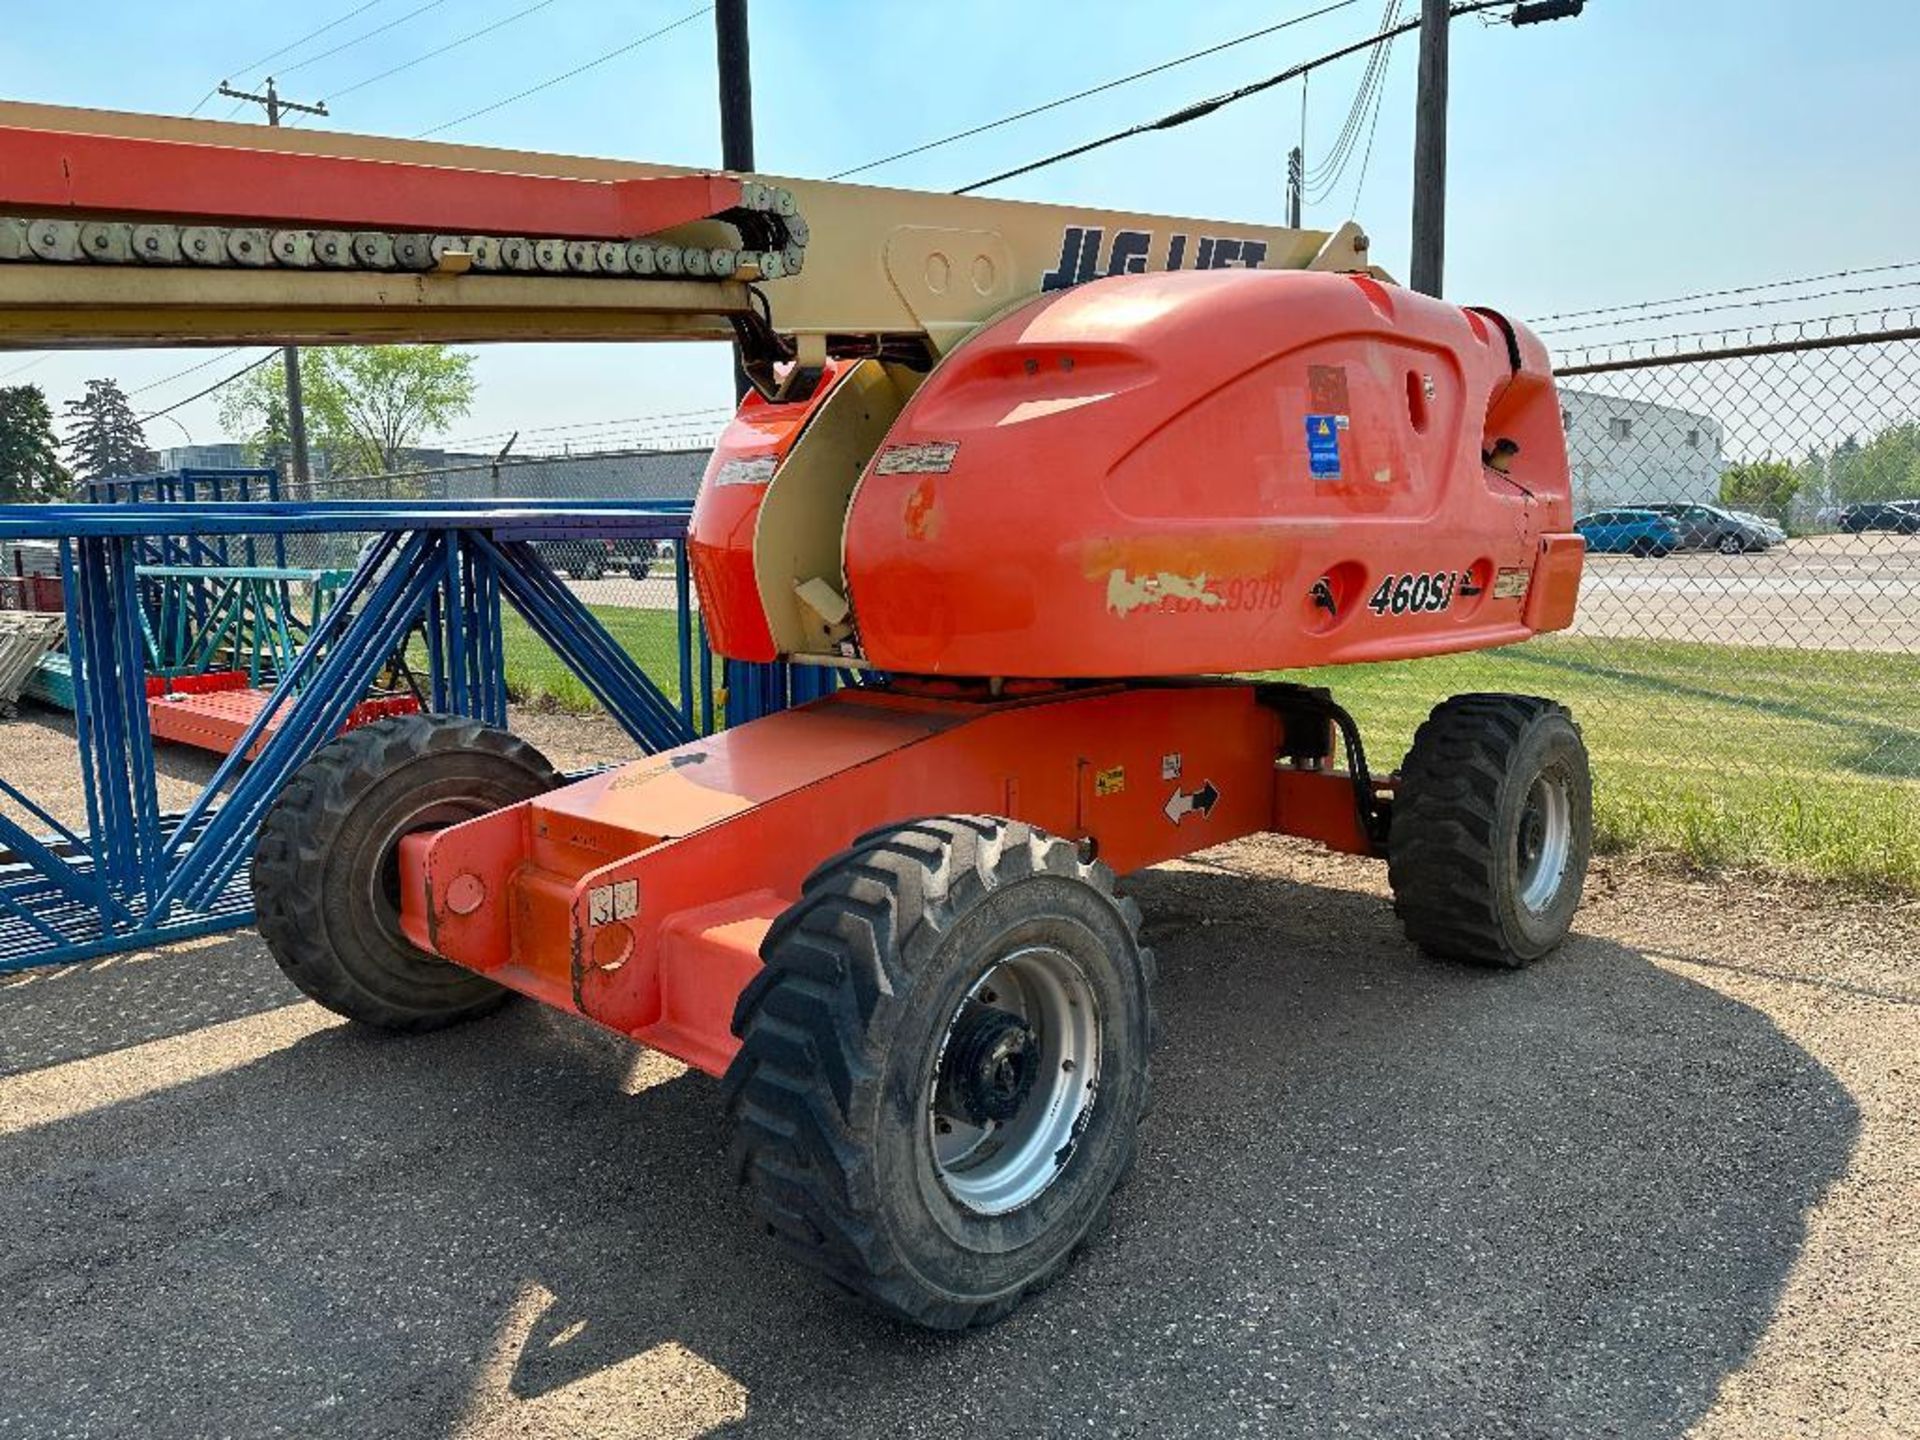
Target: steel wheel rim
<point x="1544" y="841"/>
<point x="994" y="1167"/>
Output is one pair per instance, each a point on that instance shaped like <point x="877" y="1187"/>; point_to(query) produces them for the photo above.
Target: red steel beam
<point x="54" y="171"/>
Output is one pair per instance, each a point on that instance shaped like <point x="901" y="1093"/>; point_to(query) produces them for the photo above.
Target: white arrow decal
<point x="1181" y="804"/>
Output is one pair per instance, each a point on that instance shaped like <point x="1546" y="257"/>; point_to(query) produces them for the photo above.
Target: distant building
<point x="455" y="475"/>
<point x="1628" y="452"/>
<point x="221" y="455"/>
<point x="615" y="475"/>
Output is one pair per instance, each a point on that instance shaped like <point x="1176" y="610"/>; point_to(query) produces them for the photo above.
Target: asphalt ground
<point x="1820" y="592"/>
<point x="1666" y="1183"/>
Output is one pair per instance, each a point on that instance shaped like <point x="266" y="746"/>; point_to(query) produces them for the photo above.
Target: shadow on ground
<point x="1377" y="1193"/>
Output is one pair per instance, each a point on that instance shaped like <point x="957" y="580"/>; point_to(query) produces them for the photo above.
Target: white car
<point x="1769" y="528"/>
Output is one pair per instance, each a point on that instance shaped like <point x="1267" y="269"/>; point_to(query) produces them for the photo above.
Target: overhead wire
<point x="1849" y="274"/>
<point x="22" y="369"/>
<point x="254" y="66"/>
<point x="202" y="394"/>
<point x="577" y="70"/>
<point x="1366" y="161"/>
<point x="1202" y="108"/>
<point x="361" y="38"/>
<point x="1729" y="305"/>
<point x="190" y="370"/>
<point x="388" y="74"/>
<point x="1099" y="89"/>
<point x="1325" y="174"/>
<point x="1322" y="184"/>
<point x="636" y="420"/>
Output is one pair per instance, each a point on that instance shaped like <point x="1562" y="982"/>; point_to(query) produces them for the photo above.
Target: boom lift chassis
<point x="889" y="919"/>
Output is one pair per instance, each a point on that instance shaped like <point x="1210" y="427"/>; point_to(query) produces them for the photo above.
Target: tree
<point x="1887" y="467"/>
<point x="30" y="467"/>
<point x="103" y="436"/>
<point x="1766" y="487"/>
<point x="366" y="406"/>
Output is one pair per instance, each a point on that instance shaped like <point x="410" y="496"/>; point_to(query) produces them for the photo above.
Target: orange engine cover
<point x="1202" y="472"/>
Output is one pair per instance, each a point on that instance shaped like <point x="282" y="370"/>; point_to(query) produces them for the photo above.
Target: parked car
<point x="1708" y="527"/>
<point x="1628" y="532"/>
<point x="1775" y="533"/>
<point x="591" y="559"/>
<point x="1902" y="517"/>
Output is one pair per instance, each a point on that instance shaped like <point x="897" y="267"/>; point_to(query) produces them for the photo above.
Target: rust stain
<point x="922" y="518"/>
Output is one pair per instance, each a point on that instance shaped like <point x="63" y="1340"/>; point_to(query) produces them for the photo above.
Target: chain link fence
<point x="635" y="587"/>
<point x="1746" y="660"/>
<point x="1745" y="663"/>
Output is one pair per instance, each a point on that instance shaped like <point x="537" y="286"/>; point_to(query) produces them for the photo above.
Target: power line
<point x="22" y="369"/>
<point x="1732" y="290"/>
<point x="703" y="411"/>
<point x="202" y="394"/>
<point x="1339" y="154"/>
<point x="1366" y="162"/>
<point x="1329" y="169"/>
<point x="358" y="39"/>
<point x="1201" y="108"/>
<point x="310" y="35"/>
<point x="1730" y="305"/>
<point x="577" y="70"/>
<point x="182" y="374"/>
<point x="1094" y="90"/>
<point x="337" y="95"/>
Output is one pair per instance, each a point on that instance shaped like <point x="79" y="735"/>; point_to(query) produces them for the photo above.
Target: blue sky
<point x="1650" y="148"/>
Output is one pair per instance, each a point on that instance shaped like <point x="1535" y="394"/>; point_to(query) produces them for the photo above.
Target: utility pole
<point x="1296" y="182"/>
<point x="1430" y="151"/>
<point x="736" y="110"/>
<point x="1430" y="131"/>
<point x="290" y="356"/>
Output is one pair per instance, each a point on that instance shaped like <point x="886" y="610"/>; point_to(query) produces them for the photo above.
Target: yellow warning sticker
<point x="1110" y="782"/>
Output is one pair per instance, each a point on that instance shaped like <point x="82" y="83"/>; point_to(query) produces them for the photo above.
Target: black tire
<point x="845" y="1038"/>
<point x="1732" y="545"/>
<point x="1466" y="809"/>
<point x="1660" y="552"/>
<point x="326" y="872"/>
<point x="1641" y="547"/>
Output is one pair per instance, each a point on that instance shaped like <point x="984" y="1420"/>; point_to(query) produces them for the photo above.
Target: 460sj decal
<point x="1417" y="594"/>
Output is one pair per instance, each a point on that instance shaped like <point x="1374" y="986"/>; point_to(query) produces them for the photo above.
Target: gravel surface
<point x="1664" y="1184"/>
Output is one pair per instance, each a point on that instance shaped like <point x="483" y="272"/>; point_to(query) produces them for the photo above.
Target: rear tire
<point x="326" y="869"/>
<point x="913" y="1099"/>
<point x="1492" y="830"/>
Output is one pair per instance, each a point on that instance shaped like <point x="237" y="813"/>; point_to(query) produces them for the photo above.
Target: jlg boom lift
<point x="1032" y="476"/>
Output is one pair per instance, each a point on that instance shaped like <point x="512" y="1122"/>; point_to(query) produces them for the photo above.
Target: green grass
<point x="1801" y="761"/>
<point x="537" y="676"/>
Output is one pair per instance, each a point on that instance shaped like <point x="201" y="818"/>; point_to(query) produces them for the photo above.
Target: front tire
<point x="1492" y="829"/>
<point x="326" y="878"/>
<point x="1732" y="545"/>
<point x="914" y="1100"/>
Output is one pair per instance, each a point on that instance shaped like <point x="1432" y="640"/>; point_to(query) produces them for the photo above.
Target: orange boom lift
<point x="1031" y="477"/>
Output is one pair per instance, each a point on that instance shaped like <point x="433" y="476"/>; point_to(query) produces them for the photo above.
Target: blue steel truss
<point x="137" y="876"/>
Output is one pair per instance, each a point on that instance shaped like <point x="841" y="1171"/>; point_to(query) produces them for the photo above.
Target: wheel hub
<point x="990" y="1067"/>
<point x="1015" y="1080"/>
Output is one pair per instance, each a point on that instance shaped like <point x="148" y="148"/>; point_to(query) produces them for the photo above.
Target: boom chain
<point x="773" y="243"/>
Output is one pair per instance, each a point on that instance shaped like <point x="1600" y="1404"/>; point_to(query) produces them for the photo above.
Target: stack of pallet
<point x="24" y="638"/>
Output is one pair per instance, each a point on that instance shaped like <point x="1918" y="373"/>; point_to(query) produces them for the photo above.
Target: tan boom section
<point x="853" y="265"/>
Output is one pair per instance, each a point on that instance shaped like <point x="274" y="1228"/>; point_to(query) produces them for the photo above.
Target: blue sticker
<point x="1323" y="445"/>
